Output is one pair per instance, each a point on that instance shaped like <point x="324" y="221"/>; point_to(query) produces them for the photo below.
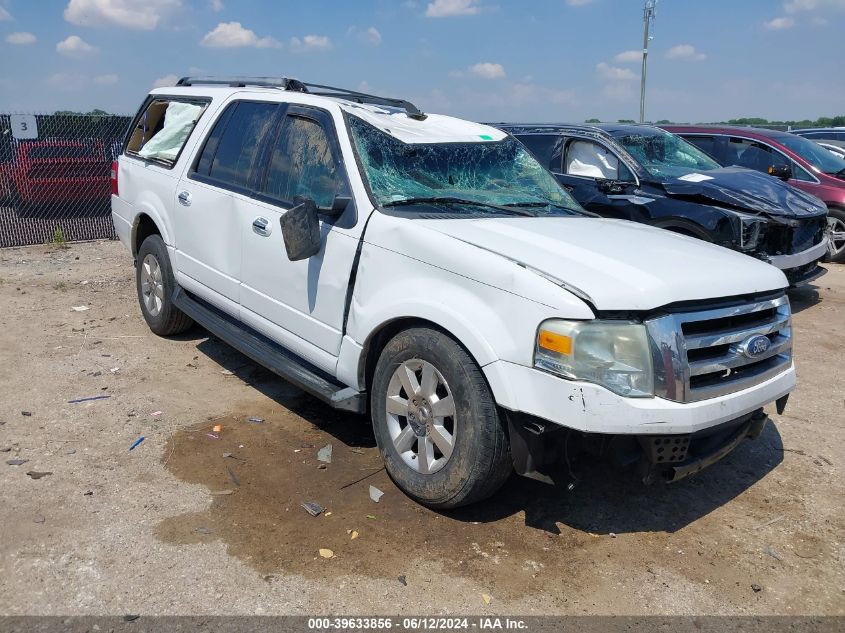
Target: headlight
<point x="614" y="355"/>
<point x="752" y="228"/>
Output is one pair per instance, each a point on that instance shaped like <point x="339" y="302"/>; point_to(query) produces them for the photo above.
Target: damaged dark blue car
<point x="644" y="174"/>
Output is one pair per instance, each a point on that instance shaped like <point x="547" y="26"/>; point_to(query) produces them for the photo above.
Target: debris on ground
<point x="486" y="598"/>
<point x="218" y="493"/>
<point x="217" y="428"/>
<point x="353" y="534"/>
<point x="130" y="617"/>
<point x="325" y="454"/>
<point x="155" y="414"/>
<point x="226" y="372"/>
<point x="114" y="370"/>
<point x="70" y="451"/>
<point x="202" y="530"/>
<point x="38" y="519"/>
<point x="213" y="436"/>
<point x="79" y="308"/>
<point x="16" y="462"/>
<point x="403" y="580"/>
<point x="26" y="414"/>
<point x="371" y="516"/>
<point x="312" y="507"/>
<point x="613" y="535"/>
<point x="256" y="420"/>
<point x="233" y="477"/>
<point x="87" y="399"/>
<point x="375" y="494"/>
<point x="137" y="442"/>
<point x="769" y="522"/>
<point x="35" y="474"/>
<point x="5" y="449"/>
<point x="771" y="552"/>
<point x="326" y="553"/>
<point x="756" y="588"/>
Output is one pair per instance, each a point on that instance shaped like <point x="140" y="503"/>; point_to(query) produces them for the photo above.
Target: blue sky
<point x="542" y="60"/>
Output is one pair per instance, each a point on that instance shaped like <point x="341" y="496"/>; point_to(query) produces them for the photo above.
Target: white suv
<point x="429" y="271"/>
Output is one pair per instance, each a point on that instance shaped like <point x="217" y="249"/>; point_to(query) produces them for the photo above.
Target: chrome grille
<point x="704" y="354"/>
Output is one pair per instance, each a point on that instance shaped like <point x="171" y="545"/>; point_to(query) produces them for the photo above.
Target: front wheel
<point x="155" y="284"/>
<point x="435" y="421"/>
<point x="836" y="236"/>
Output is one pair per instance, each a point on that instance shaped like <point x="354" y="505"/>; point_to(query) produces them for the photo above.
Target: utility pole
<point x="649" y="12"/>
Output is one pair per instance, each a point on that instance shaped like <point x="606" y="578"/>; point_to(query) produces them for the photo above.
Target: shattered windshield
<point x="491" y="177"/>
<point x="665" y="155"/>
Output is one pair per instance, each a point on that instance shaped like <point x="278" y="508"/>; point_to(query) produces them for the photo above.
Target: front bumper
<point x="812" y="254"/>
<point x="586" y="407"/>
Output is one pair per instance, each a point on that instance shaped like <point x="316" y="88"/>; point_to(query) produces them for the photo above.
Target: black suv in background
<point x="644" y="174"/>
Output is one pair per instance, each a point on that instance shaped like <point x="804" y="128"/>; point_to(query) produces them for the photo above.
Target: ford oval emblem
<point x="755" y="346"/>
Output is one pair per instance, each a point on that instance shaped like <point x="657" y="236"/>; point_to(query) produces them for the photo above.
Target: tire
<point x="836" y="248"/>
<point x="155" y="284"/>
<point x="478" y="460"/>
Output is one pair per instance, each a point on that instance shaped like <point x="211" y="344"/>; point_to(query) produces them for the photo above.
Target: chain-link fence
<point x="54" y="176"/>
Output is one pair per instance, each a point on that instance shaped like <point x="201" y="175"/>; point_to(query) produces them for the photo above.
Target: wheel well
<point x="377" y="340"/>
<point x="143" y="229"/>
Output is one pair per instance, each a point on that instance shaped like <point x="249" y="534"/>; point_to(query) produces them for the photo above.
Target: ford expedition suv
<point x="430" y="272"/>
<point x="644" y="174"/>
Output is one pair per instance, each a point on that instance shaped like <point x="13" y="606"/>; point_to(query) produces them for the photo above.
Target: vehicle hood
<point x="616" y="264"/>
<point x="746" y="190"/>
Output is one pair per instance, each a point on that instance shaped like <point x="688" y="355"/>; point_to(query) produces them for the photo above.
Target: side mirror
<point x="784" y="172"/>
<point x="611" y="186"/>
<point x="301" y="230"/>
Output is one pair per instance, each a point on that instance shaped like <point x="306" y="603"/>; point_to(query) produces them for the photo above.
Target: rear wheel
<point x="155" y="284"/>
<point x="436" y="422"/>
<point x="836" y="236"/>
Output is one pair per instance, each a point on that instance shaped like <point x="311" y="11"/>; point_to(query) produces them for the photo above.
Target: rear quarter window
<point x="160" y="131"/>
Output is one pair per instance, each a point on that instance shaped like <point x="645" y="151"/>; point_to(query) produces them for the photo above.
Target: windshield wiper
<point x="450" y="200"/>
<point x="547" y="204"/>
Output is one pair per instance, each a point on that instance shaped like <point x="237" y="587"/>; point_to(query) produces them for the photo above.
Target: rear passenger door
<point x="300" y="304"/>
<point x="211" y="199"/>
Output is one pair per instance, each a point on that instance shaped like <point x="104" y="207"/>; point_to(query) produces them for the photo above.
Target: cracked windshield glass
<point x="665" y="155"/>
<point x="495" y="177"/>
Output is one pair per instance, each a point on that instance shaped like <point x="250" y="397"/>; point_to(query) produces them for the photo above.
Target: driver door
<point x="300" y="304"/>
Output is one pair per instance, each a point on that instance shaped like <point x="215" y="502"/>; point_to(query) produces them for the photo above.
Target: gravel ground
<point x="112" y="531"/>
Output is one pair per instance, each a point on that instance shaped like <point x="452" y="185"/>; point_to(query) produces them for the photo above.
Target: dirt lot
<point x="114" y="531"/>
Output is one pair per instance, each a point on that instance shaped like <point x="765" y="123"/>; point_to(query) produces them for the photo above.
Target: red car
<point x="799" y="161"/>
<point x="43" y="174"/>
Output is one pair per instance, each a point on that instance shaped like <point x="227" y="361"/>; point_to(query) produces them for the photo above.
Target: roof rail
<point x="295" y="85"/>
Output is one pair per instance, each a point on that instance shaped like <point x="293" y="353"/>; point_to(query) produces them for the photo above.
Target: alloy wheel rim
<point x="421" y="416"/>
<point x="152" y="288"/>
<point x="836" y="236"/>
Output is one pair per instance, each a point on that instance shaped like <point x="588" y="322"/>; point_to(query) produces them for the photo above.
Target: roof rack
<point x="295" y="85"/>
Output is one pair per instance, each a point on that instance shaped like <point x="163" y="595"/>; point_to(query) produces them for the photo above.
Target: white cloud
<point x="373" y="36"/>
<point x="685" y="52"/>
<point x="449" y="8"/>
<point x="578" y="3"/>
<point x="143" y="15"/>
<point x="779" y="24"/>
<point x="233" y="35"/>
<point x="800" y="6"/>
<point x="606" y="71"/>
<point x="21" y="39"/>
<point x="166" y="81"/>
<point x="106" y="80"/>
<point x="215" y="5"/>
<point x="627" y="57"/>
<point x="487" y="70"/>
<point x="75" y="46"/>
<point x="4" y="15"/>
<point x="310" y="43"/>
<point x="66" y="81"/>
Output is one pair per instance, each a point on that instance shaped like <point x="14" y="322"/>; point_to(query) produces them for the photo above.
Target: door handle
<point x="261" y="226"/>
<point x="185" y="198"/>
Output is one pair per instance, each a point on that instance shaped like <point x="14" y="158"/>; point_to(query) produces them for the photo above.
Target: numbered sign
<point x="24" y="126"/>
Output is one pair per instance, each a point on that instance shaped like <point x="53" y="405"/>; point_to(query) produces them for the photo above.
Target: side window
<point x="799" y="173"/>
<point x="753" y="155"/>
<point x="706" y="144"/>
<point x="237" y="152"/>
<point x="585" y="158"/>
<point x="302" y="163"/>
<point x="160" y="132"/>
<point x="542" y="146"/>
